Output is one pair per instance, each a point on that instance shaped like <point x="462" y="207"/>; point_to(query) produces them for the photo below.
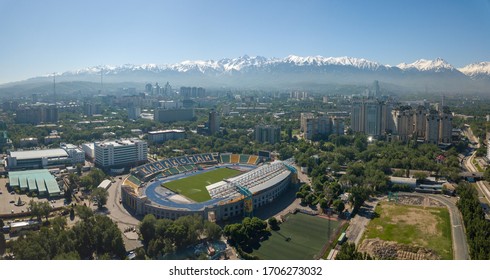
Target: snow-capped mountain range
<point x="247" y="63"/>
<point x="291" y="72"/>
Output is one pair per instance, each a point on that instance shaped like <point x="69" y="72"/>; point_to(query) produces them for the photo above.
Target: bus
<point x="342" y="238"/>
<point x="16" y="227"/>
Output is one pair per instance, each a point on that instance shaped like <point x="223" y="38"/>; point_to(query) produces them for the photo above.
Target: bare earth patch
<point x="390" y="250"/>
<point x="419" y="201"/>
<point x="416" y="217"/>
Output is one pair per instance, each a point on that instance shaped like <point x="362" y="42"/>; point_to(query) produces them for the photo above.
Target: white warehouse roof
<point x="51" y="153"/>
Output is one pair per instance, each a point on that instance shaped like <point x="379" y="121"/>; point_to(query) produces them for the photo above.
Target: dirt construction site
<point x="409" y="228"/>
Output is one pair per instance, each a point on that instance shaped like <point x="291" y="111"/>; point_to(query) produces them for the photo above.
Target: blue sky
<point x="40" y="37"/>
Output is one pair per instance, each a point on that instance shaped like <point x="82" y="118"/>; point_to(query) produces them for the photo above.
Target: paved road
<point x="358" y="224"/>
<point x="481" y="186"/>
<point x="116" y="210"/>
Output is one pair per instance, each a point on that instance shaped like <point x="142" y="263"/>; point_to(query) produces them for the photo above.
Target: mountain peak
<point x="476" y="70"/>
<point x="436" y="65"/>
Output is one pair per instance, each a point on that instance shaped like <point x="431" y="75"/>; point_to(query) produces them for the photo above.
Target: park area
<point x="301" y="237"/>
<point x="408" y="232"/>
<point x="194" y="187"/>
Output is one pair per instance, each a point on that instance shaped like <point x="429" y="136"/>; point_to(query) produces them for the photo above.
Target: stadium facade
<point x="238" y="196"/>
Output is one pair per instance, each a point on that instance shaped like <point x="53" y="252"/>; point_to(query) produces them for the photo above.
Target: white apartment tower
<point x="120" y="153"/>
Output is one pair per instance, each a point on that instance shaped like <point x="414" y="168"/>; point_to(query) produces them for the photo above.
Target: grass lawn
<point x="194" y="187"/>
<point x="308" y="236"/>
<point x="428" y="227"/>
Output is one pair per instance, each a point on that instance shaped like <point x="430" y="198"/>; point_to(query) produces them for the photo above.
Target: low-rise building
<point x="161" y="136"/>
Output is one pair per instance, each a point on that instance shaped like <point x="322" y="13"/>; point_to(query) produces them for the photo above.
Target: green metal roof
<point x="40" y="180"/>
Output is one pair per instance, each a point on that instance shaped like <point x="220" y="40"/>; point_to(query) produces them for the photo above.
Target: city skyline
<point x="55" y="36"/>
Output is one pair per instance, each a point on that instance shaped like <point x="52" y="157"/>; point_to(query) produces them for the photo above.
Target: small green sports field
<point x="194" y="187"/>
<point x="308" y="236"/>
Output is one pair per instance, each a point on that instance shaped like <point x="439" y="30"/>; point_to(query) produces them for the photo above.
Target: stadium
<point x="212" y="185"/>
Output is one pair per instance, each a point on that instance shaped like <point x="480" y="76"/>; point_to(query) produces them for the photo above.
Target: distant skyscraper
<point x="148" y="88"/>
<point x="357" y="116"/>
<point x="376" y="90"/>
<point x="213" y="122"/>
<point x="167" y="90"/>
<point x="420" y="122"/>
<point x="156" y="89"/>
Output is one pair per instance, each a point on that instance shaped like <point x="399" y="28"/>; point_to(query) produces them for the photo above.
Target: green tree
<point x="420" y="175"/>
<point x="45" y="209"/>
<point x="79" y="169"/>
<point x="84" y="212"/>
<point x="213" y="231"/>
<point x="140" y="254"/>
<point x="35" y="210"/>
<point x="67" y="256"/>
<point x="486" y="174"/>
<point x="100" y="196"/>
<point x="338" y="205"/>
<point x="147" y="228"/>
<point x="58" y="224"/>
<point x="273" y="223"/>
<point x="3" y="244"/>
<point x="348" y="251"/>
<point x="358" y="196"/>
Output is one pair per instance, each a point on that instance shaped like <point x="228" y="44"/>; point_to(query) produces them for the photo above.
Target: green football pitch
<point x="194" y="187"/>
<point x="308" y="234"/>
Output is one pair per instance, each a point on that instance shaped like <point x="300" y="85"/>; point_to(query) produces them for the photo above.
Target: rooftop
<point x="49" y="153"/>
<point x="40" y="179"/>
<point x="119" y="143"/>
<point x="166" y="131"/>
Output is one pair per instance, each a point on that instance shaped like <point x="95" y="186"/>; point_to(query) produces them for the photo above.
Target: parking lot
<point x="8" y="200"/>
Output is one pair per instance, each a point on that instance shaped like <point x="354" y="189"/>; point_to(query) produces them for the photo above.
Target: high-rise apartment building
<point x="432" y="127"/>
<point x="37" y="114"/>
<point x="403" y="123"/>
<point x="213" y="122"/>
<point x="445" y="127"/>
<point x="367" y="117"/>
<point x="312" y="125"/>
<point x="267" y="134"/>
<point x="90" y="109"/>
<point x="134" y="112"/>
<point x="357" y="116"/>
<point x="372" y="118"/>
<point x="419" y="119"/>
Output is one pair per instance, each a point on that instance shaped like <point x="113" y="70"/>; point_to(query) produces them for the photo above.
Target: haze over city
<point x="56" y="36"/>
